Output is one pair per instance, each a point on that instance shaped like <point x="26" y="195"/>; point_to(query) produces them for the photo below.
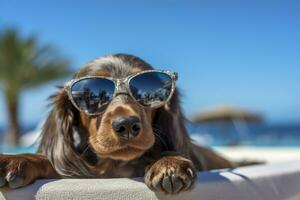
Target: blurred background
<point x="238" y="65"/>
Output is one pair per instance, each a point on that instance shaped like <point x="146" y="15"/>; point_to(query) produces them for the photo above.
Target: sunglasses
<point x="151" y="88"/>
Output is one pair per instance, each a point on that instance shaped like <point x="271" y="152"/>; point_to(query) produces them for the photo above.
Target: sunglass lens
<point x="91" y="95"/>
<point x="151" y="89"/>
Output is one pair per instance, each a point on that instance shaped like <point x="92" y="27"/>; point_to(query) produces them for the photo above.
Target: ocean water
<point x="17" y="150"/>
<point x="219" y="134"/>
<point x="245" y="134"/>
<point x="20" y="149"/>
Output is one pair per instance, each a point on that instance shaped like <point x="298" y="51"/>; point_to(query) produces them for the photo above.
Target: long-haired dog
<point x="120" y="133"/>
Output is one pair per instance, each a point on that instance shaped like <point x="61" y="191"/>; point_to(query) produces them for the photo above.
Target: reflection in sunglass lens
<point x="151" y="88"/>
<point x="92" y="94"/>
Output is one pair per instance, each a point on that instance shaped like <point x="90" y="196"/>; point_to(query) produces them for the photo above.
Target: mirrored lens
<point x="151" y="88"/>
<point x="92" y="94"/>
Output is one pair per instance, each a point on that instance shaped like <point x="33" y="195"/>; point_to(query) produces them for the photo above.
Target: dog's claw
<point x="10" y="176"/>
<point x="167" y="184"/>
<point x="16" y="182"/>
<point x="156" y="185"/>
<point x="190" y="172"/>
<point x="13" y="180"/>
<point x="177" y="183"/>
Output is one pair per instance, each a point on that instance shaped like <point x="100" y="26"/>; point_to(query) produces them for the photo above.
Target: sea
<point x="215" y="134"/>
<point x="246" y="134"/>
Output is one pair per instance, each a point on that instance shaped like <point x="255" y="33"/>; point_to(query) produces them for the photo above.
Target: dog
<point x="115" y="134"/>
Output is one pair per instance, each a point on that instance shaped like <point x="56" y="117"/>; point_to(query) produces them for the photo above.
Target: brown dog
<point x="75" y="144"/>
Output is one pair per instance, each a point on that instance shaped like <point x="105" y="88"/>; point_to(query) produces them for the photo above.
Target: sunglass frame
<point x="68" y="87"/>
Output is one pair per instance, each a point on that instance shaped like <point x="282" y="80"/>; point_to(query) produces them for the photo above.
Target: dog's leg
<point x="171" y="175"/>
<point x="20" y="170"/>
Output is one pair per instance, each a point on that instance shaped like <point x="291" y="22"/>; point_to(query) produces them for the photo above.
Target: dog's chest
<point x="120" y="169"/>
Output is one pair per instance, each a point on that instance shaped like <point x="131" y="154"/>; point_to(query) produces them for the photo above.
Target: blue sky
<point x="243" y="53"/>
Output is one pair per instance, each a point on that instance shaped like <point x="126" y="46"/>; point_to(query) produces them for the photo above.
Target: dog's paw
<point x="171" y="175"/>
<point x="17" y="171"/>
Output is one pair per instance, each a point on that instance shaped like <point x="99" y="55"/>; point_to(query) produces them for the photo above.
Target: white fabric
<point x="279" y="181"/>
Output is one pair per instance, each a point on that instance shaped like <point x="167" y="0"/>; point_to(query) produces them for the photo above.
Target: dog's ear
<point x="169" y="122"/>
<point x="65" y="113"/>
<point x="67" y="118"/>
<point x="64" y="140"/>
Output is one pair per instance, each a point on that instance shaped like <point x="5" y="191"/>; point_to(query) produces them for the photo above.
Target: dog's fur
<point x="76" y="145"/>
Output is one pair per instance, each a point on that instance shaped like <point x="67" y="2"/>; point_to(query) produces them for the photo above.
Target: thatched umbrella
<point x="227" y="114"/>
<point x="231" y="115"/>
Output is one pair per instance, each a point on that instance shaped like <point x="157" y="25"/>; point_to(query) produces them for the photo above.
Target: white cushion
<point x="271" y="181"/>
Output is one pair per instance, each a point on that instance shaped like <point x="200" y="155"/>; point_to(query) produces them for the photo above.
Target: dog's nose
<point x="127" y="127"/>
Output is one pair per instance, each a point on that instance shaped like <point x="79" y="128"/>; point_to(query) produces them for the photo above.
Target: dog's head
<point x="124" y="130"/>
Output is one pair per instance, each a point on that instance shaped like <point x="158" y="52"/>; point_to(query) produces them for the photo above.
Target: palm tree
<point x="24" y="64"/>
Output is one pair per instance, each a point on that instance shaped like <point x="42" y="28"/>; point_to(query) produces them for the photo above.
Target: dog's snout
<point x="127" y="127"/>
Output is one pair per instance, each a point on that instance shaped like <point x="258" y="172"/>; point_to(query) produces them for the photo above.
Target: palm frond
<point x="24" y="63"/>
